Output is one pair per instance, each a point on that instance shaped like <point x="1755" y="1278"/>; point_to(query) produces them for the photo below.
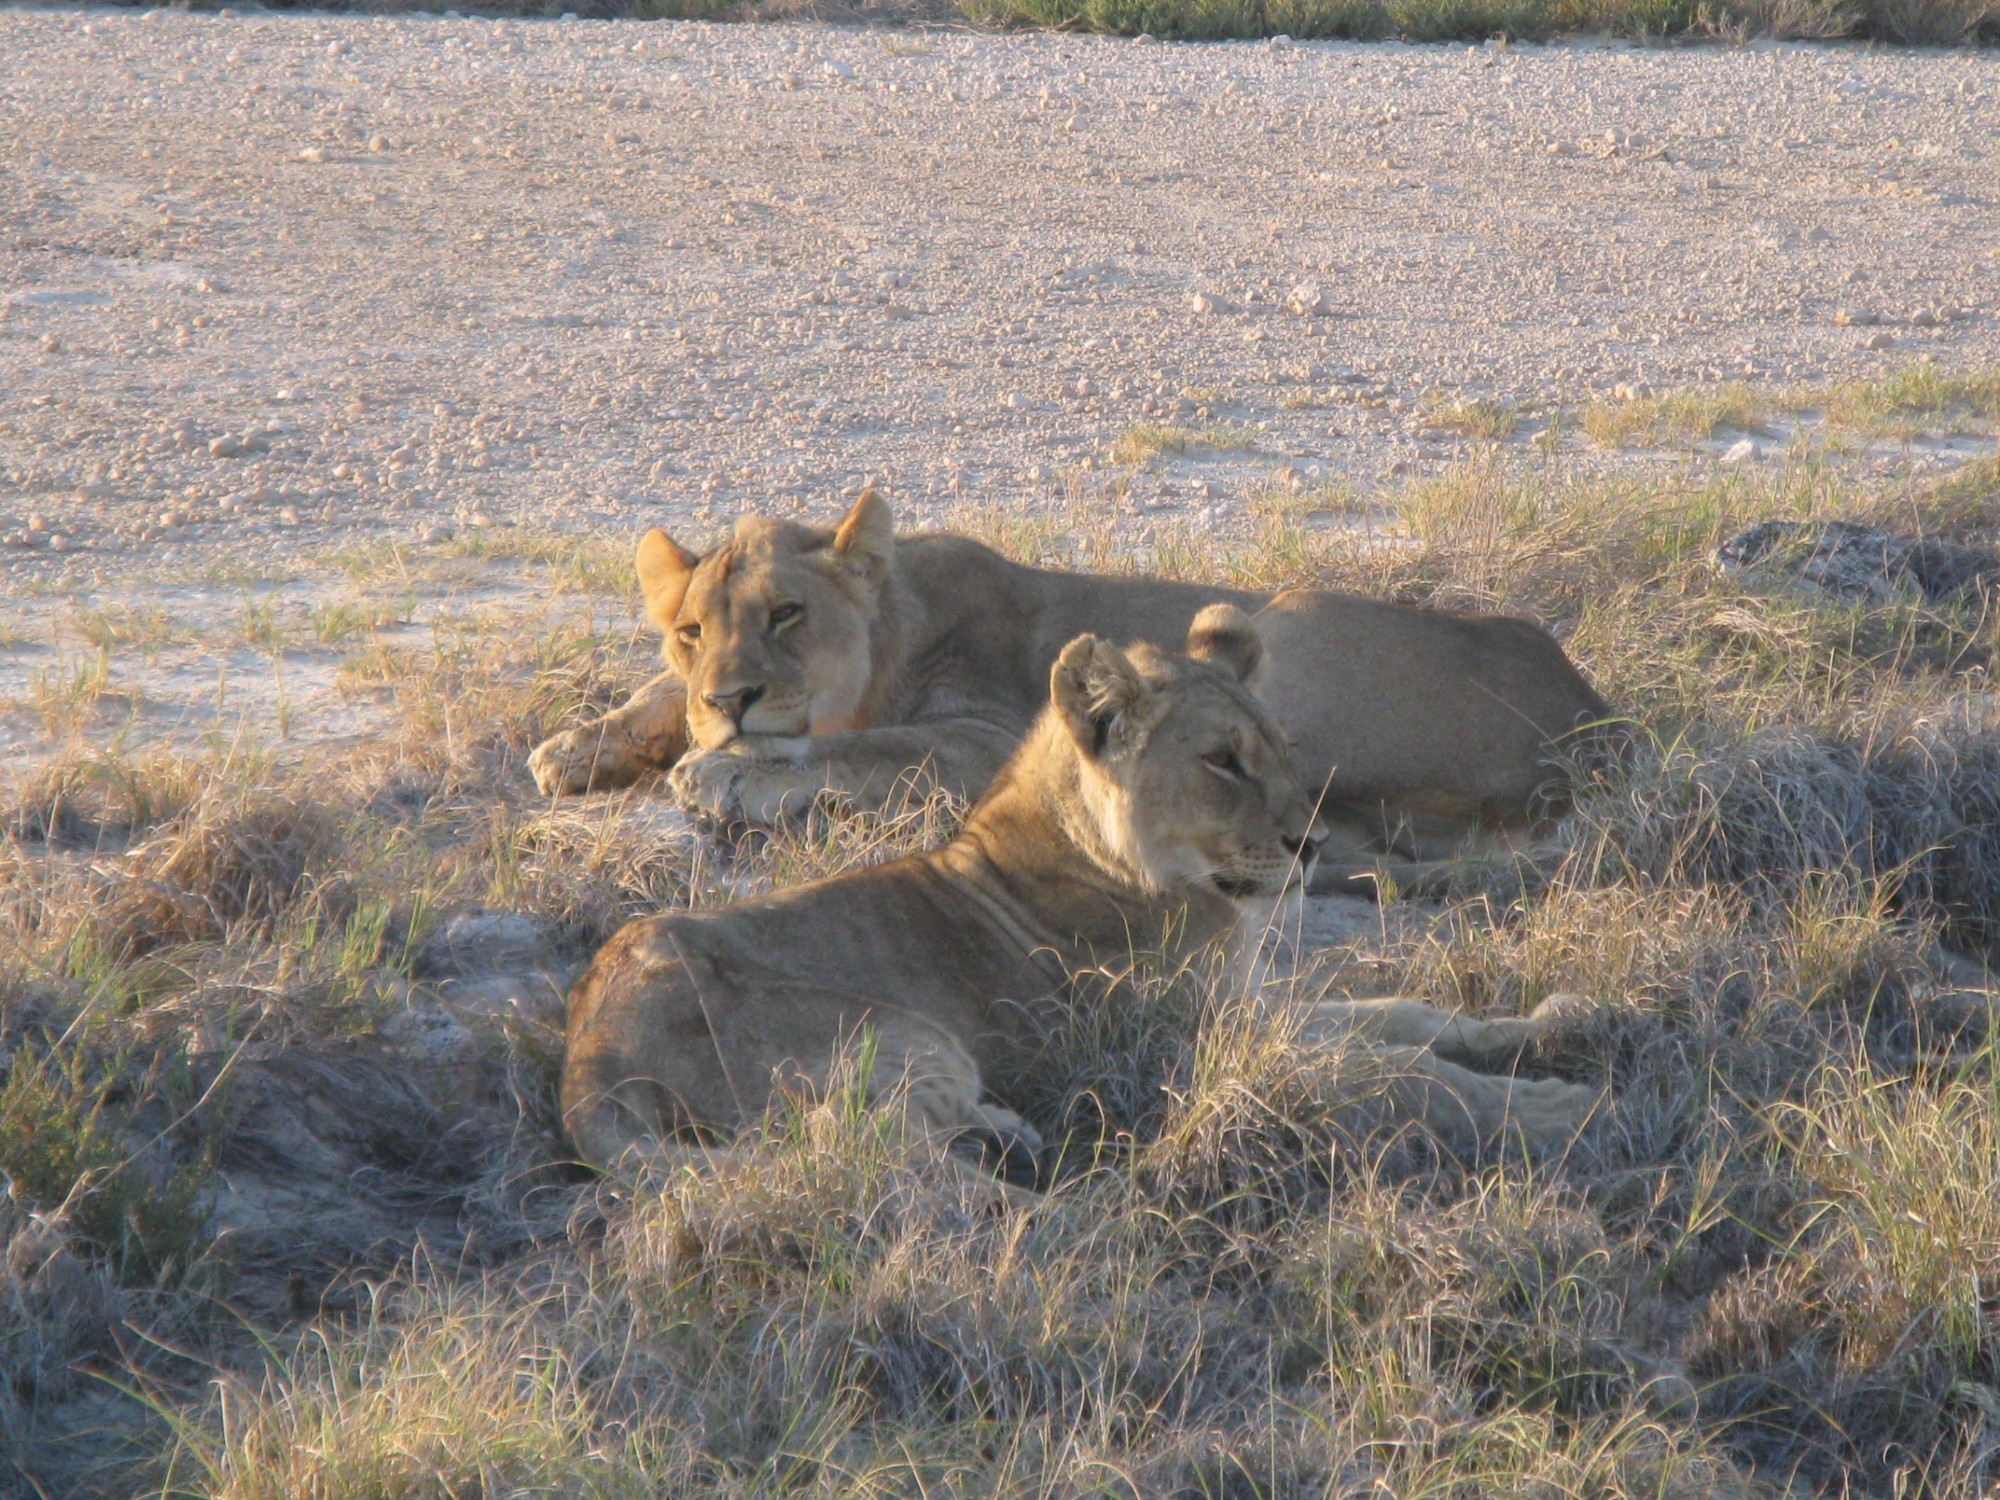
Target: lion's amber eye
<point x="688" y="633"/>
<point x="784" y="614"/>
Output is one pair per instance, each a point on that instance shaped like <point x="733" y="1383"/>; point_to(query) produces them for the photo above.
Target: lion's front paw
<point x="574" y="761"/>
<point x="736" y="785"/>
<point x="1008" y="1143"/>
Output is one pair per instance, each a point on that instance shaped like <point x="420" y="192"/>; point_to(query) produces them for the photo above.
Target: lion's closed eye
<point x="1226" y="764"/>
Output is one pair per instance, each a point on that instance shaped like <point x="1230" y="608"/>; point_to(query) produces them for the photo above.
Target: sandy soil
<point x="272" y="286"/>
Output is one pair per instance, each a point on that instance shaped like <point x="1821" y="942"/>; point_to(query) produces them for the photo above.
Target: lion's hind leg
<point x="1427" y="1054"/>
<point x="931" y="1084"/>
<point x="919" y="1084"/>
<point x="1398" y="1021"/>
<point x="1467" y="1109"/>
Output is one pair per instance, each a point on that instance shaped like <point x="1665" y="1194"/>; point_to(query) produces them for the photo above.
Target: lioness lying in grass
<point x="1152" y="805"/>
<point x="805" y="661"/>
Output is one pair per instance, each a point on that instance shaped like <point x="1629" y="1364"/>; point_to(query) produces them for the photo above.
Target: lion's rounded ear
<point x="665" y="567"/>
<point x="866" y="538"/>
<point x="1102" y="700"/>
<point x="1226" y="636"/>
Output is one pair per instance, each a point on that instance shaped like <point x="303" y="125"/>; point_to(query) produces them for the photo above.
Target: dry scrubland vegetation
<point x="1921" y="23"/>
<point x="1929" y="23"/>
<point x="1775" y="1265"/>
<point x="1905" y="406"/>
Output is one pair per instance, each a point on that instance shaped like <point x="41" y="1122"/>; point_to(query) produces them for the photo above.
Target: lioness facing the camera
<point x="806" y="661"/>
<point x="1151" y="806"/>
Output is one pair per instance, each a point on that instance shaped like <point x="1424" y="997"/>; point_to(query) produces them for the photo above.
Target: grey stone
<point x="1307" y="300"/>
<point x="1850" y="561"/>
<point x="481" y="939"/>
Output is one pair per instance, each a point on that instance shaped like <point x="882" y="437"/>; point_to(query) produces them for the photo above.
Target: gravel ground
<point x="271" y="284"/>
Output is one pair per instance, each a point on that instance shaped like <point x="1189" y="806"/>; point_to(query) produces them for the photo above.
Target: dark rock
<point x="1852" y="561"/>
<point x="481" y="940"/>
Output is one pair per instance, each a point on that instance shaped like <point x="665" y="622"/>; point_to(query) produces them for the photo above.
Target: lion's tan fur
<point x="866" y="657"/>
<point x="1153" y="804"/>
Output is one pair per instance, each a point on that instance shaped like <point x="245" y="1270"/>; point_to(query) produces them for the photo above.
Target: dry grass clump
<point x="1866" y="1340"/>
<point x="58" y="1307"/>
<point x="1921" y="392"/>
<point x="1917" y="811"/>
<point x="472" y="705"/>
<point x="584" y="871"/>
<point x="94" y="801"/>
<point x="1905" y="402"/>
<point x="1146" y="441"/>
<point x="1739" y="21"/>
<point x="235" y="861"/>
<point x="429" y="1395"/>
<point x="1514" y="1282"/>
<point x="1487" y="421"/>
<point x="1688" y="416"/>
<point x="1931" y="23"/>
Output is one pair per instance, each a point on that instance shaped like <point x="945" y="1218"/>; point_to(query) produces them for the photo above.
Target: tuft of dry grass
<point x="115" y="627"/>
<point x="1688" y="416"/>
<point x="1146" y="441"/>
<point x="1920" y="394"/>
<point x="1905" y="403"/>
<point x="450" y="1396"/>
<point x="1486" y="421"/>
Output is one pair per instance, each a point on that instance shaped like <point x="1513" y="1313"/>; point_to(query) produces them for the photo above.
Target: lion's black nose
<point x="735" y="703"/>
<point x="1307" y="849"/>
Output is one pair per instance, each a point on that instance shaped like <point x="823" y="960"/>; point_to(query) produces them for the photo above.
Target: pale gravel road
<point x="598" y="274"/>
